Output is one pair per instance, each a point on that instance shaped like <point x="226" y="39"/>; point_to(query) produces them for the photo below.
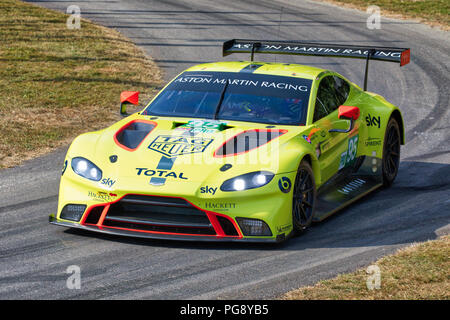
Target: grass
<point x="56" y="83"/>
<point x="421" y="271"/>
<point x="434" y="12"/>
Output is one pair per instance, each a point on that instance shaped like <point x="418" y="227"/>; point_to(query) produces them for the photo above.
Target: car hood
<point x="169" y="149"/>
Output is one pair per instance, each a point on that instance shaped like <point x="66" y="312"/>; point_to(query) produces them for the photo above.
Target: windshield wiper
<point x="222" y="95"/>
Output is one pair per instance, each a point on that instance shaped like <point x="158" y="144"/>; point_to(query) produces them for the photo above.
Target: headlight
<point x="247" y="181"/>
<point x="86" y="169"/>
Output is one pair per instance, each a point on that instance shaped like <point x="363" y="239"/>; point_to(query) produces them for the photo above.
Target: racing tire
<point x="391" y="153"/>
<point x="304" y="198"/>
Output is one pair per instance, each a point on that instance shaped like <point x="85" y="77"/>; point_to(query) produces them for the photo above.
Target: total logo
<point x="208" y="189"/>
<point x="160" y="173"/>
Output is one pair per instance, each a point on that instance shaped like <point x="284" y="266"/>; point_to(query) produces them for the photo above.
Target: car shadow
<point x="415" y="208"/>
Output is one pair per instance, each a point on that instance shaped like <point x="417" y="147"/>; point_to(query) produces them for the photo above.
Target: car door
<point x="330" y="146"/>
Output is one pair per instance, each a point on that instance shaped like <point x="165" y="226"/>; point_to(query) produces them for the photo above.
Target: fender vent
<point x="246" y="141"/>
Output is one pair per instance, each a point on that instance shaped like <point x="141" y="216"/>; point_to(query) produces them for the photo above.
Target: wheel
<point x="391" y="152"/>
<point x="304" y="198"/>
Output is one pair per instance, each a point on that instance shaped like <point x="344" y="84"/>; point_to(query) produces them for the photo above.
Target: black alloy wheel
<point x="304" y="198"/>
<point x="391" y="152"/>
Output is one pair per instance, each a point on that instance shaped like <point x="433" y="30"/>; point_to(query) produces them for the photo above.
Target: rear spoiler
<point x="399" y="55"/>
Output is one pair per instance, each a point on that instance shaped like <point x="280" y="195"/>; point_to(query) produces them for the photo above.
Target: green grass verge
<point x="56" y="83"/>
<point x="435" y="12"/>
<point x="421" y="271"/>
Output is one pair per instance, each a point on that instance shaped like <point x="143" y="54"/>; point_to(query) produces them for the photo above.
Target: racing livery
<point x="236" y="151"/>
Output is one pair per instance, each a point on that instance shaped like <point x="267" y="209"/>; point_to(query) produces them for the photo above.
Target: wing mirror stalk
<point x="347" y="113"/>
<point x="128" y="97"/>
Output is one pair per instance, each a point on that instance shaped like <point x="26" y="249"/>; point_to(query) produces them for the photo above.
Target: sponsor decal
<point x="194" y="127"/>
<point x="281" y="229"/>
<point x="373" y="121"/>
<point x="307" y="138"/>
<point x="242" y="83"/>
<point x="349" y="156"/>
<point x="222" y="206"/>
<point x="285" y="184"/>
<point x="173" y="146"/>
<point x="208" y="189"/>
<point x="64" y="167"/>
<point x="108" y="182"/>
<point x="160" y="173"/>
<point x="312" y="135"/>
<point x="208" y="124"/>
<point x="195" y="131"/>
<point x="373" y="142"/>
<point x="318" y="50"/>
<point x="102" y="196"/>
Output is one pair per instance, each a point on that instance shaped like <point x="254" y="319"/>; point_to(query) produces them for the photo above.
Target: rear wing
<point x="388" y="54"/>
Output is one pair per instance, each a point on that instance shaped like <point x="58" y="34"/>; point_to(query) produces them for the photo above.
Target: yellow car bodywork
<point x="197" y="177"/>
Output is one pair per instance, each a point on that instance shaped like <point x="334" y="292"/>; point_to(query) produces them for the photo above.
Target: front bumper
<point x="268" y="204"/>
<point x="160" y="236"/>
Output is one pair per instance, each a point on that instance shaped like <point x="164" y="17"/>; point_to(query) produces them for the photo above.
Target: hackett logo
<point x="220" y="206"/>
<point x="173" y="146"/>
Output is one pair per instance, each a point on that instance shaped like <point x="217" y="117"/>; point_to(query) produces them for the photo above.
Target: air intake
<point x="133" y="133"/>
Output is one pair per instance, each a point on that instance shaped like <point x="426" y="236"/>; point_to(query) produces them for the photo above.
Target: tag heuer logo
<point x="173" y="146"/>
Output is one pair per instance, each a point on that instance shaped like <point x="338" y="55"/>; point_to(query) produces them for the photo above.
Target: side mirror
<point x="348" y="113"/>
<point x="128" y="97"/>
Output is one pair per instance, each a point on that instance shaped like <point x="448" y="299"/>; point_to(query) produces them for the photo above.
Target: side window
<point x="327" y="99"/>
<point x="342" y="89"/>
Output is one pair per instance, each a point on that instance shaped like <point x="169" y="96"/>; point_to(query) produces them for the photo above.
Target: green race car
<point x="242" y="151"/>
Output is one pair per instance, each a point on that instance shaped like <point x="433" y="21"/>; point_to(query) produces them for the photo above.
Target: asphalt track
<point x="34" y="256"/>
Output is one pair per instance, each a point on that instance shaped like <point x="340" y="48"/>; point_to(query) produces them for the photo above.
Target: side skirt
<point x="347" y="187"/>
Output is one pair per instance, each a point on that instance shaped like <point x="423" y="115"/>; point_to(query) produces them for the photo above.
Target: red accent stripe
<point x="103" y="216"/>
<point x="216" y="225"/>
<point x="88" y="212"/>
<point x="210" y="214"/>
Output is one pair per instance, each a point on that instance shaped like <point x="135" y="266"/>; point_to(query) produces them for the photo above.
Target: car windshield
<point x="247" y="97"/>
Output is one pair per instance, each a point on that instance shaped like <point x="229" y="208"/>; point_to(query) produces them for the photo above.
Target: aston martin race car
<point x="237" y="151"/>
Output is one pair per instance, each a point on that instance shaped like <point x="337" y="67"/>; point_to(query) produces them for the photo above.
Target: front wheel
<point x="391" y="152"/>
<point x="304" y="198"/>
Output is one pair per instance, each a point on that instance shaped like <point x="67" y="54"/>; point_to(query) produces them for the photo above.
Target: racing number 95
<point x="349" y="155"/>
<point x="352" y="148"/>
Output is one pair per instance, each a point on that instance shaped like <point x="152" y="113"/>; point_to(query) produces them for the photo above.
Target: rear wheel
<point x="304" y="198"/>
<point x="391" y="152"/>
